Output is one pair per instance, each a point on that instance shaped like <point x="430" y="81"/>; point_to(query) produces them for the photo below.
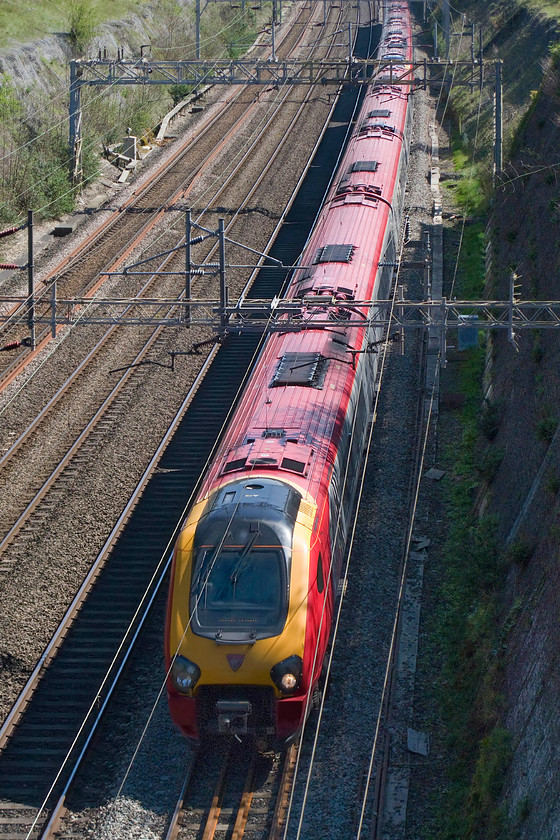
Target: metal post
<point x="401" y="316"/>
<point x="446" y="27"/>
<point x="350" y="56"/>
<point x="274" y="30"/>
<point x="197" y="28"/>
<point x="324" y="12"/>
<point x="443" y="336"/>
<point x="75" y="123"/>
<point x="223" y="289"/>
<point x="511" y="332"/>
<point x="53" y="309"/>
<point x="188" y="266"/>
<point x="30" y="280"/>
<point x="481" y="74"/>
<point x="498" y="162"/>
<point x="428" y="267"/>
<point x="435" y="42"/>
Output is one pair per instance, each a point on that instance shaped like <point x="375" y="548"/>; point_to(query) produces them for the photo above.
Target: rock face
<point x="526" y="488"/>
<point x="39" y="65"/>
<point x="42" y="66"/>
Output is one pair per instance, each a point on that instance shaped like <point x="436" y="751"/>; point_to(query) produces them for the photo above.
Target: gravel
<point x="46" y="573"/>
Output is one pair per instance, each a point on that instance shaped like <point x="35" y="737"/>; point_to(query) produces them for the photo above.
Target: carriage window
<point x="320" y="574"/>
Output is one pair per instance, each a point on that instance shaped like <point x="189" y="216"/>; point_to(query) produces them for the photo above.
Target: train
<point x="256" y="567"/>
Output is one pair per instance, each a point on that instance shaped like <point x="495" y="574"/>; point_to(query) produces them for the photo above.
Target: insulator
<point x="9" y="266"/>
<point x="196" y="240"/>
<point x="9" y="231"/>
<point x="12" y="346"/>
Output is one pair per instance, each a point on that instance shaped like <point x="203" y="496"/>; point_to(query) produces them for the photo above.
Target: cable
<point x="92" y="144"/>
<point x="344" y="577"/>
<point x="213" y="456"/>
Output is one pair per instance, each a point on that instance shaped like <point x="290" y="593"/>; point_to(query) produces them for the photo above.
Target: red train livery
<point x="257" y="563"/>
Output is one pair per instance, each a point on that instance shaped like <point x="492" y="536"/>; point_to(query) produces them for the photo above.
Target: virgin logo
<point x="235" y="660"/>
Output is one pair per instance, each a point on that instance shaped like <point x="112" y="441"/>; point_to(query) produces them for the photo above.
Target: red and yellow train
<point x="257" y="563"/>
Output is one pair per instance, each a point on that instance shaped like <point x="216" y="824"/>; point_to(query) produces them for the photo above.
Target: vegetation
<point x="179" y="92"/>
<point x="546" y="428"/>
<point x="34" y="155"/>
<point x="467" y="628"/>
<point x="24" y="22"/>
<point x="82" y="20"/>
<point x="467" y="632"/>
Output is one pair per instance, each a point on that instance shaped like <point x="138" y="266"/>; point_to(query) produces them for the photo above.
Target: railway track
<point x="49" y="722"/>
<point x="234" y="794"/>
<point x="111" y="395"/>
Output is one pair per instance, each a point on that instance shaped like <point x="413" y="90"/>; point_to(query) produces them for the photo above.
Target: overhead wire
<point x="399" y="603"/>
<point x="23" y="315"/>
<point x="344" y="578"/>
<point x="92" y="143"/>
<point x="400" y="595"/>
<point x="212" y="456"/>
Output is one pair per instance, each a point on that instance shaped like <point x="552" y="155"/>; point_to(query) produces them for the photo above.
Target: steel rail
<point x="108" y="401"/>
<point x="16" y="711"/>
<point x="19" y="706"/>
<point x="231" y="820"/>
<point x="118" y="387"/>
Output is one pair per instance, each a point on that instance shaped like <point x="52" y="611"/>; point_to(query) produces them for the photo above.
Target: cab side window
<point x="320" y="575"/>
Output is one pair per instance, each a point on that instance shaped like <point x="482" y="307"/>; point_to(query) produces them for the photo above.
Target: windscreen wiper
<point x="242" y="562"/>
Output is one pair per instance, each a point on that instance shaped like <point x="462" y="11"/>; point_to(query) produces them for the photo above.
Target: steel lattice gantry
<point x="310" y="313"/>
<point x="334" y="72"/>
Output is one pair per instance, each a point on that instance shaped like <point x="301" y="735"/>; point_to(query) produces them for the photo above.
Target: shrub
<point x="486" y="786"/>
<point x="552" y="483"/>
<point x="82" y="25"/>
<point x="489" y="463"/>
<point x="489" y="418"/>
<point x="179" y="92"/>
<point x="520" y="553"/>
<point x="537" y="352"/>
<point x="546" y="428"/>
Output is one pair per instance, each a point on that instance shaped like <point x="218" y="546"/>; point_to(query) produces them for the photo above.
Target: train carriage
<point x="256" y="566"/>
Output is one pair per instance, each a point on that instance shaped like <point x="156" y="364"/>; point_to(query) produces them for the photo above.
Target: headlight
<point x="287" y="675"/>
<point x="184" y="674"/>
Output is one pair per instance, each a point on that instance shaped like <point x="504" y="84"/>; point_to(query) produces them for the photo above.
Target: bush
<point x="82" y="25"/>
<point x="546" y="429"/>
<point x="552" y="483"/>
<point x="520" y="552"/>
<point x="537" y="352"/>
<point x="179" y="92"/>
<point x="487" y="819"/>
<point x="489" y="463"/>
<point x="490" y="418"/>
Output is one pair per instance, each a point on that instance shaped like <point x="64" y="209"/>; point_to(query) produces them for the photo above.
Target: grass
<point x="549" y="8"/>
<point x="467" y="626"/>
<point x="24" y="22"/>
<point x="466" y="630"/>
